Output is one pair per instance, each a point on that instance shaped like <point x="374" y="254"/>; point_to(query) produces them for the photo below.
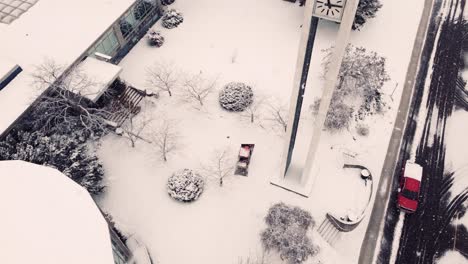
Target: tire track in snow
<point x="396" y="237"/>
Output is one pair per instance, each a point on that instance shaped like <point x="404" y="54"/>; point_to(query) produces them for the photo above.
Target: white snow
<point x="452" y="257"/>
<point x="101" y="73"/>
<point x="48" y="218"/>
<point x="52" y="29"/>
<point x="455" y="141"/>
<point x="413" y="170"/>
<point x="255" y="43"/>
<point x="396" y="238"/>
<point x="455" y="156"/>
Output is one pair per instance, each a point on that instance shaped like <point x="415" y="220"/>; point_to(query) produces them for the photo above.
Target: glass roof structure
<point x="13" y="9"/>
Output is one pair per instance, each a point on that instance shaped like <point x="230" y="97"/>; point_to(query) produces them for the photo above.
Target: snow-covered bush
<point x="360" y="84"/>
<point x="362" y="130"/>
<point x="286" y="233"/>
<point x="281" y="214"/>
<point x="366" y="9"/>
<point x="167" y="2"/>
<point x="67" y="153"/>
<point x="155" y="38"/>
<point x="338" y="117"/>
<point x="185" y="185"/>
<point x="236" y="96"/>
<point x="172" y="18"/>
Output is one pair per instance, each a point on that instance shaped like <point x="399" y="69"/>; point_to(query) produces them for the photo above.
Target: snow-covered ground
<point x="452" y="257"/>
<point x="254" y="43"/>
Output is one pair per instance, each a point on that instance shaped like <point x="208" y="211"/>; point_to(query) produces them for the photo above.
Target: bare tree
<point x="133" y="129"/>
<point x="63" y="105"/>
<point x="254" y="111"/>
<point x="197" y="88"/>
<point x="253" y="260"/>
<point x="221" y="166"/>
<point x="278" y="114"/>
<point x="165" y="139"/>
<point x="162" y="76"/>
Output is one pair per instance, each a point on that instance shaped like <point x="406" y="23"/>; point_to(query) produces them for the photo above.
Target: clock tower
<point x="300" y="178"/>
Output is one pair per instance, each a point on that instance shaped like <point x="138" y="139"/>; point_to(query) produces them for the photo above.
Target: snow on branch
<point x="277" y="114"/>
<point x="134" y="128"/>
<point x="221" y="165"/>
<point x="165" y="139"/>
<point x="63" y="104"/>
<point x="162" y="76"/>
<point x="197" y="88"/>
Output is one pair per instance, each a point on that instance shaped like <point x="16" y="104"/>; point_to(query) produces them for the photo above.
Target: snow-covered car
<point x="410" y="185"/>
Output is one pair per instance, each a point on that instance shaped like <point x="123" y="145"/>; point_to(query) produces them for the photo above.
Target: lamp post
<point x="342" y="11"/>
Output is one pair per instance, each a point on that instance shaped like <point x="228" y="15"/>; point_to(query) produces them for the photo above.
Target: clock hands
<point x="329" y="7"/>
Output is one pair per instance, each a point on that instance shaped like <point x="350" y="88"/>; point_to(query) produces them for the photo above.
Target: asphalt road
<point x="427" y="234"/>
<point x="423" y="236"/>
<point x="417" y="70"/>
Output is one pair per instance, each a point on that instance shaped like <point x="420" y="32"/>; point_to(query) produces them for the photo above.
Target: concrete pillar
<point x="309" y="27"/>
<point x="331" y="80"/>
<point x="308" y="175"/>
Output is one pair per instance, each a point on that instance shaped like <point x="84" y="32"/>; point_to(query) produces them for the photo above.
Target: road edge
<point x="375" y="227"/>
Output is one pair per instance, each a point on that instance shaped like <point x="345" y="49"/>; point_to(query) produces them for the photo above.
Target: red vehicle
<point x="410" y="184"/>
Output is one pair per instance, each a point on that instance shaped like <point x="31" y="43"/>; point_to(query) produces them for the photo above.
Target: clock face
<point x="329" y="9"/>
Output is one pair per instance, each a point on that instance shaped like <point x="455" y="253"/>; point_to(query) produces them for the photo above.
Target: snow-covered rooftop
<point x="48" y="218"/>
<point x="6" y="67"/>
<point x="101" y="73"/>
<point x="58" y="30"/>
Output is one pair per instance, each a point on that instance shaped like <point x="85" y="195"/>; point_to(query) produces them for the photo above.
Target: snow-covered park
<point x="254" y="43"/>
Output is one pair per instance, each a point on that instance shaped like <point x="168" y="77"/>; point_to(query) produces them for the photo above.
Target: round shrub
<point x="172" y="18"/>
<point x="185" y="185"/>
<point x="362" y="130"/>
<point x="236" y="96"/>
<point x="155" y="38"/>
<point x="167" y="2"/>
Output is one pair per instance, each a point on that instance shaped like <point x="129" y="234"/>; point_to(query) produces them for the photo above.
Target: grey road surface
<point x="376" y="223"/>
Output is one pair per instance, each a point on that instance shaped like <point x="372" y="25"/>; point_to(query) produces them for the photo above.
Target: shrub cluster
<point x="286" y="233"/>
<point x="155" y="38"/>
<point x="66" y="153"/>
<point x="172" y="18"/>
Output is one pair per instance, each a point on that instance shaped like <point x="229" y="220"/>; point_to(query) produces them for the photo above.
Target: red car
<point x="410" y="184"/>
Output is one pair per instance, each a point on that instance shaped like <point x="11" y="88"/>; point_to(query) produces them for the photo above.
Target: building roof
<point x="102" y="75"/>
<point x="59" y="30"/>
<point x="48" y="218"/>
